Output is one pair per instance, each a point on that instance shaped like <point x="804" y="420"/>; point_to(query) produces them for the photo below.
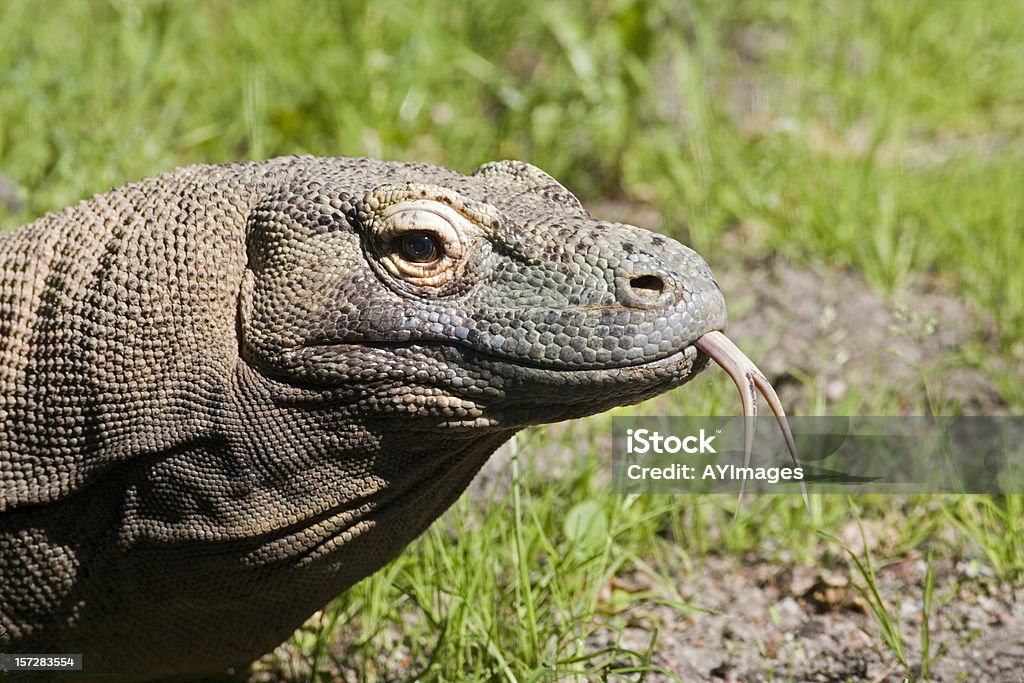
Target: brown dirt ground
<point x="770" y="623"/>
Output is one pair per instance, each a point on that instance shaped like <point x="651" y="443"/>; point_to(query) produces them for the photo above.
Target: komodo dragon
<point x="228" y="393"/>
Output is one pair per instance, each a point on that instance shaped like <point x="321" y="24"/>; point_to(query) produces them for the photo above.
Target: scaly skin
<point x="231" y="392"/>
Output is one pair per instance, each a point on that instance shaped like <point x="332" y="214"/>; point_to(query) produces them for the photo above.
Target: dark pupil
<point x="419" y="247"/>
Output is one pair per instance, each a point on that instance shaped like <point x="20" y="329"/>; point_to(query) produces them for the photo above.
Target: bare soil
<point x="828" y="326"/>
<point x="770" y="623"/>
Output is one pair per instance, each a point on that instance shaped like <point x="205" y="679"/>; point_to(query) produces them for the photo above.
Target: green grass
<point x="885" y="137"/>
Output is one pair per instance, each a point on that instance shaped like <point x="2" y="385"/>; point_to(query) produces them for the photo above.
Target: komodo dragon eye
<point x="420" y="247"/>
<point x="422" y="242"/>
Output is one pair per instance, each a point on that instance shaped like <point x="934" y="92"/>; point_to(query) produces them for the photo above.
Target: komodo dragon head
<point x="463" y="306"/>
<point x="356" y="338"/>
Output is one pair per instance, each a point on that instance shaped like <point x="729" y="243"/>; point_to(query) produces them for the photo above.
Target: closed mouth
<point x="687" y="352"/>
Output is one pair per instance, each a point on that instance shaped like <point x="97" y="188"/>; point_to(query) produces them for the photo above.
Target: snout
<point x="659" y="275"/>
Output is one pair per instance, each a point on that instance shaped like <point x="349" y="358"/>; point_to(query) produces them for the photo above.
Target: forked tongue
<point x="749" y="380"/>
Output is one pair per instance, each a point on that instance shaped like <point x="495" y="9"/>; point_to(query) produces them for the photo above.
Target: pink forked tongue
<point x="749" y="380"/>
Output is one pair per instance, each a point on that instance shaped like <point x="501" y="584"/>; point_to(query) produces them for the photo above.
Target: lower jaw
<point x="581" y="393"/>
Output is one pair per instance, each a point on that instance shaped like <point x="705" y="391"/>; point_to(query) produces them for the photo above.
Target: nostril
<point x="649" y="286"/>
